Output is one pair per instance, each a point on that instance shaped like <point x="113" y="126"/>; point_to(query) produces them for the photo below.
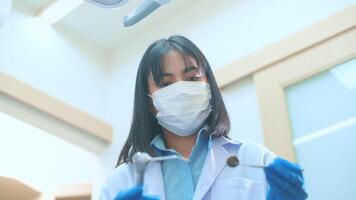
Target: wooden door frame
<point x="271" y="82"/>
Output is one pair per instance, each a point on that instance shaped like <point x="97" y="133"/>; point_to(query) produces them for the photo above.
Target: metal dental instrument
<point x="233" y="161"/>
<point x="253" y="166"/>
<point x="140" y="161"/>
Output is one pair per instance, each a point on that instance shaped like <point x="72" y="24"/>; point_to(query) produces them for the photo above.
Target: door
<point x="322" y="114"/>
<point x="308" y="110"/>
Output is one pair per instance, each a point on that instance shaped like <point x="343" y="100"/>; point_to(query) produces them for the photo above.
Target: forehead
<point x="175" y="61"/>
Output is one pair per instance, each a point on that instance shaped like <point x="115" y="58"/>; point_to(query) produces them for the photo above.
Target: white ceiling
<point x="104" y="27"/>
<point x="36" y="4"/>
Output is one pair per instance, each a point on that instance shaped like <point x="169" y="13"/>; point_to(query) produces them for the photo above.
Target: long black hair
<point x="144" y="126"/>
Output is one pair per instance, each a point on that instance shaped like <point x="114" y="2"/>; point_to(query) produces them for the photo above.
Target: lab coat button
<point x="233" y="161"/>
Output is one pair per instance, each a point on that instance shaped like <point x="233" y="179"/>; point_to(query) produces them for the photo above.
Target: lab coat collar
<point x="154" y="180"/>
<point x="158" y="142"/>
<point x="214" y="163"/>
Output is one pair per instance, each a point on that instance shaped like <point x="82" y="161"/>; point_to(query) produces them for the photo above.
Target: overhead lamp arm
<point x="142" y="11"/>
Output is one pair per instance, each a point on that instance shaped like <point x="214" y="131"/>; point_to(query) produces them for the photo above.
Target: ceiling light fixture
<point x="108" y="3"/>
<point x="142" y="11"/>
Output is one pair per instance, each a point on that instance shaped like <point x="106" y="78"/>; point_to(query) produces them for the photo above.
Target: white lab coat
<point x="217" y="179"/>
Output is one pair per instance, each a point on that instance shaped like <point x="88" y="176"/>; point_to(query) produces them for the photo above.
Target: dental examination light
<point x="5" y="7"/>
<point x="142" y="11"/>
<point x="108" y="3"/>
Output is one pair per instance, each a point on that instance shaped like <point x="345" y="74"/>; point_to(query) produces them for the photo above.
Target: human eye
<point x="194" y="78"/>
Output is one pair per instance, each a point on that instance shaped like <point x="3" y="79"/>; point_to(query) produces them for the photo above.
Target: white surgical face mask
<point x="183" y="107"/>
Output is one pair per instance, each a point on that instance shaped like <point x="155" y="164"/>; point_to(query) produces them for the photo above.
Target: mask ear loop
<point x="149" y="95"/>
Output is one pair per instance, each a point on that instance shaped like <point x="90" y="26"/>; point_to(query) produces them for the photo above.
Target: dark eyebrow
<point x="186" y="70"/>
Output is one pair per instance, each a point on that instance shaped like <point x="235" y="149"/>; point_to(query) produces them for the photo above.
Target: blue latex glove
<point x="285" y="180"/>
<point x="135" y="193"/>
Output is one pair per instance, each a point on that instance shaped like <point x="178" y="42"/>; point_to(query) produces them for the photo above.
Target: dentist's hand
<point x="285" y="180"/>
<point x="135" y="193"/>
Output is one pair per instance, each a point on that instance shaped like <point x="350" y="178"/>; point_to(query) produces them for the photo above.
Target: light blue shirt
<point x="181" y="176"/>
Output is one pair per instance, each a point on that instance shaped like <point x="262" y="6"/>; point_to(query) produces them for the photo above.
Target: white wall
<point x="231" y="29"/>
<point x="57" y="64"/>
<point x="241" y="102"/>
<point x="41" y="160"/>
<point x="65" y="67"/>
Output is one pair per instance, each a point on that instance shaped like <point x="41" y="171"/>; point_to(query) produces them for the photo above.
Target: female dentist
<point x="178" y="110"/>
